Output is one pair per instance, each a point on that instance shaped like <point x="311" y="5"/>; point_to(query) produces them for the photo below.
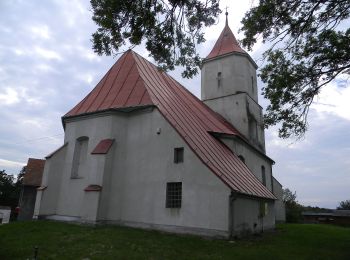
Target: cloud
<point x="10" y="164"/>
<point x="317" y="168"/>
<point x="9" y="97"/>
<point x="47" y="54"/>
<point x="334" y="98"/>
<point x="41" y="31"/>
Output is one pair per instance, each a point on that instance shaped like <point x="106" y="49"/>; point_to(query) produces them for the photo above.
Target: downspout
<point x="232" y="198"/>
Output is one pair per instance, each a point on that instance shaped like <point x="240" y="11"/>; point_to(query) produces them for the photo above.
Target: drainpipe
<point x="232" y="198"/>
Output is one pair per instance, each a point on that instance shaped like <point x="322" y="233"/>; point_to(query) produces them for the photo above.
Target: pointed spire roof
<point x="135" y="82"/>
<point x="226" y="43"/>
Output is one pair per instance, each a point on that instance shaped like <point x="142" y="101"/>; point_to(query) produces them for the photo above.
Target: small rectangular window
<point x="263" y="175"/>
<point x="219" y="78"/>
<point x="263" y="208"/>
<point x="173" y="194"/>
<point x="178" y="155"/>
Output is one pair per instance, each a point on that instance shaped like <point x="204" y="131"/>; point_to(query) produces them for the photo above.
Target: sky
<point x="47" y="66"/>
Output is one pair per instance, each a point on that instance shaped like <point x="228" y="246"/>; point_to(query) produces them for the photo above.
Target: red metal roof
<point x="103" y="146"/>
<point x="122" y="86"/>
<point x="225" y="44"/>
<point x="34" y="172"/>
<point x="190" y="117"/>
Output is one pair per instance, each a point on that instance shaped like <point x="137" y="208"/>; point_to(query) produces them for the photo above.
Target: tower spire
<point x="226" y="43"/>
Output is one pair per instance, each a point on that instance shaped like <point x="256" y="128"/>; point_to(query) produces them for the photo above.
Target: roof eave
<point x="217" y="134"/>
<point x="250" y="196"/>
<point x="229" y="54"/>
<point x="130" y="109"/>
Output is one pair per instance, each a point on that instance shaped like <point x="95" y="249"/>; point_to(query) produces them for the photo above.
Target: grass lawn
<point x="68" y="241"/>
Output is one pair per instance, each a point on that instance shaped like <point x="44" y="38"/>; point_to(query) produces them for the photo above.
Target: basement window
<point x="173" y="194"/>
<point x="178" y="155"/>
<point x="263" y="175"/>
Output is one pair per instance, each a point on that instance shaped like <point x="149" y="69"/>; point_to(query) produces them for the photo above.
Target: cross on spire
<point x="226" y="13"/>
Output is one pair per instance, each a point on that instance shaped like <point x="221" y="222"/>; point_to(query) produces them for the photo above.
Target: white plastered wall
<point x="248" y="218"/>
<point x="236" y="97"/>
<point x="253" y="159"/>
<point x="47" y="198"/>
<point x="280" y="209"/>
<point x="145" y="163"/>
<point x="133" y="176"/>
<point x="236" y="70"/>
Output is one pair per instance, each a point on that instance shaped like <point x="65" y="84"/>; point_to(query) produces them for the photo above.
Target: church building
<point x="140" y="150"/>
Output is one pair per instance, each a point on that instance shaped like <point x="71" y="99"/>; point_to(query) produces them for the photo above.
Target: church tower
<point x="229" y="87"/>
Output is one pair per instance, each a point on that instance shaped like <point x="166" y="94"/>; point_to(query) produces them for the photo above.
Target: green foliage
<point x="293" y="208"/>
<point x="311" y="47"/>
<point x="317" y="209"/>
<point x="10" y="189"/>
<point x="289" y="196"/>
<point x="66" y="241"/>
<point x="344" y="205"/>
<point x="170" y="29"/>
<point x="8" y="193"/>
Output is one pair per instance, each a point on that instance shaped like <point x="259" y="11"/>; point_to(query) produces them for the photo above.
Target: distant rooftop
<point x="34" y="172"/>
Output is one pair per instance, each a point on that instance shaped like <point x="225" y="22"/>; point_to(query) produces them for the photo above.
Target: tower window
<point x="253" y="128"/>
<point x="252" y="84"/>
<point x="219" y="78"/>
<point x="263" y="175"/>
<point x="178" y="155"/>
<point x="173" y="194"/>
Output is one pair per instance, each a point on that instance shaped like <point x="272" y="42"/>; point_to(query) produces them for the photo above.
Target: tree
<point x="171" y="29"/>
<point x="7" y="192"/>
<point x="310" y="48"/>
<point x="289" y="196"/>
<point x="10" y="190"/>
<point x="293" y="208"/>
<point x="344" y="205"/>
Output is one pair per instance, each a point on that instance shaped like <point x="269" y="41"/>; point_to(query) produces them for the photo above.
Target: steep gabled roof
<point x="226" y="43"/>
<point x="122" y="86"/>
<point x="134" y="81"/>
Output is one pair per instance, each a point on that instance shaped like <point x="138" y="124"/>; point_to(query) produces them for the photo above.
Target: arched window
<point x="241" y="158"/>
<point x="79" y="156"/>
<point x="263" y="175"/>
